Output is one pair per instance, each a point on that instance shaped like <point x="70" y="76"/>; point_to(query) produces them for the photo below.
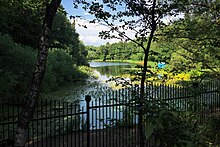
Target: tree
<point x="63" y="33"/>
<point x="92" y="52"/>
<point x="18" y="18"/>
<point x="141" y="17"/>
<point x="196" y="37"/>
<point x="33" y="94"/>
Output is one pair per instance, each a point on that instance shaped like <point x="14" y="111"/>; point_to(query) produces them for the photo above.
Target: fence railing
<point x="106" y="121"/>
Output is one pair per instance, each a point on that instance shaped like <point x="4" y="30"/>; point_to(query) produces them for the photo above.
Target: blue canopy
<point x="161" y="65"/>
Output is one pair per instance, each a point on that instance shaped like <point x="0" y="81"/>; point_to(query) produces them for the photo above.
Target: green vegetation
<point x="18" y="65"/>
<point x="190" y="52"/>
<point x="168" y="126"/>
<point x="188" y="45"/>
<point x="62" y="70"/>
<point x="116" y="51"/>
<point x="20" y="26"/>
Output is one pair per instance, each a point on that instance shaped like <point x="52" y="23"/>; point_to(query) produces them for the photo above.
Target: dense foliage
<point x="169" y="126"/>
<point x="64" y="36"/>
<point x="61" y="70"/>
<point x="160" y="52"/>
<point x="116" y="51"/>
<point x="20" y="26"/>
<point x="188" y="45"/>
<point x="22" y="19"/>
<point x="196" y="40"/>
<point x="17" y="66"/>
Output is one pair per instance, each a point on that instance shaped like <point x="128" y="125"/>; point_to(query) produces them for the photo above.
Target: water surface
<point x="106" y="70"/>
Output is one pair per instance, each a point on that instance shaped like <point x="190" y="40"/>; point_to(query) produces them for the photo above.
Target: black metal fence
<point x="106" y="121"/>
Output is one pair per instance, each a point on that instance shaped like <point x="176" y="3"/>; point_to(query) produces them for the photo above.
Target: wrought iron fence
<point x="106" y="121"/>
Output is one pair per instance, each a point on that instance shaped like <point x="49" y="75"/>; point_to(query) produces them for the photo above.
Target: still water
<point x="104" y="71"/>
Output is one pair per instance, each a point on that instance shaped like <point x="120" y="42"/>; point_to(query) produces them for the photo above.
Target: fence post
<point x="88" y="99"/>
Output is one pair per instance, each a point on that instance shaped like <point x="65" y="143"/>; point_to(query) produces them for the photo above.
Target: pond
<point x="97" y="88"/>
<point x="94" y="87"/>
<point x="106" y="70"/>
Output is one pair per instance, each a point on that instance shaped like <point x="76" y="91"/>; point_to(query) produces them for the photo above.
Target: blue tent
<point x="161" y="65"/>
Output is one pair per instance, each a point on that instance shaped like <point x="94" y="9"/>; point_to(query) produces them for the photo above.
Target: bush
<point x="61" y="70"/>
<point x="85" y="72"/>
<point x="137" y="57"/>
<point x="214" y="128"/>
<point x="167" y="126"/>
<point x="18" y="63"/>
<point x="16" y="68"/>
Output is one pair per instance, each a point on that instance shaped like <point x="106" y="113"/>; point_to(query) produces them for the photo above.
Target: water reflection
<point x="99" y="64"/>
<point x="110" y="110"/>
<point x="109" y="69"/>
<point x="100" y="117"/>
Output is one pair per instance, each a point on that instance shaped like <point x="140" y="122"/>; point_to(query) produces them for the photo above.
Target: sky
<point x="90" y="34"/>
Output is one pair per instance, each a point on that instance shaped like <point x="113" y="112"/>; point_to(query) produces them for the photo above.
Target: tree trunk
<point x="143" y="78"/>
<point x="31" y="101"/>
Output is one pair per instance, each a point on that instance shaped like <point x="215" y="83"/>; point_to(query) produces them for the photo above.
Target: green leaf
<point x="190" y="144"/>
<point x="149" y="130"/>
<point x="162" y="112"/>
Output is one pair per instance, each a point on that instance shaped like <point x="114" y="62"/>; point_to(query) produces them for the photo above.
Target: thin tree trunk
<point x="31" y="101"/>
<point x="143" y="77"/>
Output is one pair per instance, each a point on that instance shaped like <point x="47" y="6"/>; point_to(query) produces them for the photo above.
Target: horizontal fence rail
<point x="110" y="120"/>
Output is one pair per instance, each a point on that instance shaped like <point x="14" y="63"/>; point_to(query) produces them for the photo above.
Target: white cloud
<point x="96" y="41"/>
<point x="90" y="34"/>
<point x="167" y="19"/>
<point x="86" y="13"/>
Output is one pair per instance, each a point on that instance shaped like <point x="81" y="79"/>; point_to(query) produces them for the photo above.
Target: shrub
<point x="137" y="57"/>
<point x="59" y="69"/>
<point x="18" y="63"/>
<point x="169" y="126"/>
<point x="16" y="68"/>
